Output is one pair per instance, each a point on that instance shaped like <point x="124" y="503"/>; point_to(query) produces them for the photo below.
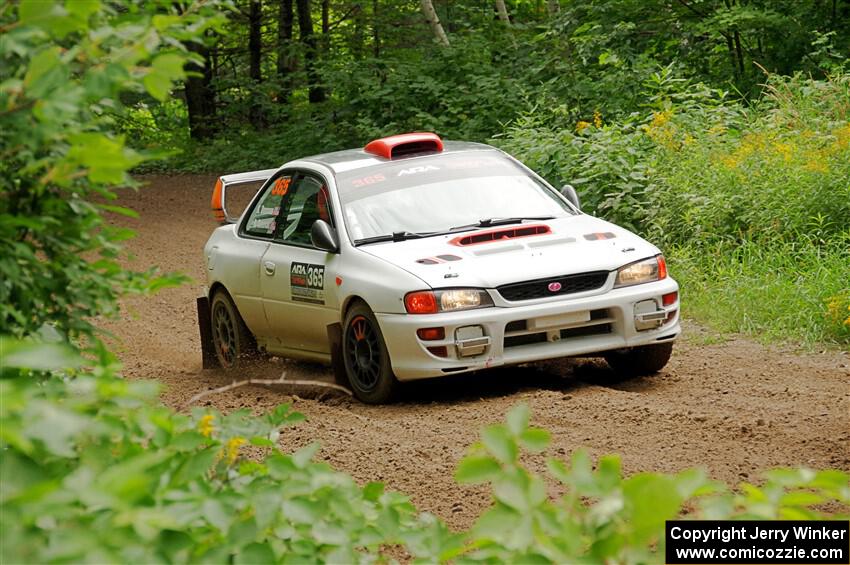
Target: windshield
<point x="434" y="194"/>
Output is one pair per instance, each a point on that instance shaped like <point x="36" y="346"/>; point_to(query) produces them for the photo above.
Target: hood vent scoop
<point x="501" y="234"/>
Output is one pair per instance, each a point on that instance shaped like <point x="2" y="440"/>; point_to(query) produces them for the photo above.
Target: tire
<point x="366" y="359"/>
<point x="640" y="361"/>
<point x="234" y="345"/>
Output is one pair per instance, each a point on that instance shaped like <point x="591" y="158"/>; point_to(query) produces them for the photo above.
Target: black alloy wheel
<point x="364" y="353"/>
<point x="367" y="362"/>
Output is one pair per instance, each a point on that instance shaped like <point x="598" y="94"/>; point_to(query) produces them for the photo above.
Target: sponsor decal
<point x="366" y="181"/>
<point x="307" y="283"/>
<point x="417" y="170"/>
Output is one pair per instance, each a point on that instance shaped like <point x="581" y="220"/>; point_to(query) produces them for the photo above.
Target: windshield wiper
<point x="395" y="236"/>
<point x="490" y="222"/>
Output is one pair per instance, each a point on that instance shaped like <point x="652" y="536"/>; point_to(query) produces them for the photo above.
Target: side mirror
<point x="570" y="193"/>
<point x="324" y="237"/>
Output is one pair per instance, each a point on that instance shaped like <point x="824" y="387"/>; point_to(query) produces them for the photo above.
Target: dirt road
<point x="733" y="407"/>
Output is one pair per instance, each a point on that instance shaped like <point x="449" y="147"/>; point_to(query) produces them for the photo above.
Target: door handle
<point x="269" y="267"/>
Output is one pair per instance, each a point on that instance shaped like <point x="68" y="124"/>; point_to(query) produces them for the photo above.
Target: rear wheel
<point x="367" y="362"/>
<point x="233" y="342"/>
<point x="640" y="361"/>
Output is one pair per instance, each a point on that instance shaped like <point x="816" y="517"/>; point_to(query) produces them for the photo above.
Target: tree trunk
<point x="357" y="47"/>
<point x="733" y="44"/>
<point x="308" y="38"/>
<point x="376" y="36"/>
<point x="740" y="53"/>
<point x="285" y="61"/>
<point x="326" y="27"/>
<point x="255" y="20"/>
<point x="200" y="97"/>
<point x="731" y="49"/>
<point x="553" y="6"/>
<point x="434" y="22"/>
<point x="502" y="10"/>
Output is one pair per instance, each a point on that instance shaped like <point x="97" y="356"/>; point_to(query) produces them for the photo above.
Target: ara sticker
<point x="307" y="283"/>
<point x="417" y="170"/>
<point x="281" y="186"/>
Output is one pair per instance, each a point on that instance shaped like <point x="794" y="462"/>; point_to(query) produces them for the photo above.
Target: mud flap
<point x="208" y="358"/>
<point x="338" y="365"/>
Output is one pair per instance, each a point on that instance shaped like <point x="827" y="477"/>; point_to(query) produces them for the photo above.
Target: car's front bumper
<point x="520" y="333"/>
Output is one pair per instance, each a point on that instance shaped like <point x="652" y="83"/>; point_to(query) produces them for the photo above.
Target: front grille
<point x="541" y="288"/>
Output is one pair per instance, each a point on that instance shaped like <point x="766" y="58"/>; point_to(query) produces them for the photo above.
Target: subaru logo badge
<point x="554" y="287"/>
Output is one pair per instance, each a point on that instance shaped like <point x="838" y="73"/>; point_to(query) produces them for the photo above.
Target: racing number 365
<point x="315" y="277"/>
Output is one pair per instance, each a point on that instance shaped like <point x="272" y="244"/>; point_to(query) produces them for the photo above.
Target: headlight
<point x="647" y="270"/>
<point x="448" y="300"/>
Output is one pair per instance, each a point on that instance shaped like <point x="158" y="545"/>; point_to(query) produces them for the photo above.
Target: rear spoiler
<point x="219" y="196"/>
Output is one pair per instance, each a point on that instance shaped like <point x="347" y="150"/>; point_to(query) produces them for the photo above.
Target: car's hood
<point x="575" y="244"/>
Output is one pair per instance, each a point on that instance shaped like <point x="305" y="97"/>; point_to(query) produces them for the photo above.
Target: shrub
<point x="753" y="203"/>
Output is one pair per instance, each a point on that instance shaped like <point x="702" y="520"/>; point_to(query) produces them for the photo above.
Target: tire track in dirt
<point x="732" y="407"/>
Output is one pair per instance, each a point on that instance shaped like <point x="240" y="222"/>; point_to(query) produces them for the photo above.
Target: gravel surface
<point x="733" y="406"/>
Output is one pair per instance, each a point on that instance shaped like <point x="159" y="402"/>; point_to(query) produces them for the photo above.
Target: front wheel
<point x="367" y="362"/>
<point x="640" y="361"/>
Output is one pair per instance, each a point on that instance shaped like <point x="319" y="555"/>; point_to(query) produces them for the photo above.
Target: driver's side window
<point x="307" y="200"/>
<point x="263" y="219"/>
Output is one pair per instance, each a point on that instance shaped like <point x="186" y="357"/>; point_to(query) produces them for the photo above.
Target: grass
<point x="776" y="293"/>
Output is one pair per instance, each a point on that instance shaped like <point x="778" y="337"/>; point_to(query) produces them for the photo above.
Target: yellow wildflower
<point x="836" y="305"/>
<point x="842" y="136"/>
<point x="816" y="163"/>
<point x="660" y="118"/>
<point x="784" y="149"/>
<point x="581" y="126"/>
<point x="597" y="119"/>
<point x="205" y="426"/>
<point x="232" y="449"/>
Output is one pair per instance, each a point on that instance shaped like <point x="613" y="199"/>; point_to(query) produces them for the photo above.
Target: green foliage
<point x="753" y="203"/>
<point x="603" y="517"/>
<point x="95" y="470"/>
<point x="63" y="69"/>
<point x="774" y="291"/>
<point x="465" y="92"/>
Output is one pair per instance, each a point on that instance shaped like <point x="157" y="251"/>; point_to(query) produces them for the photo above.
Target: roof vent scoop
<point x="397" y="146"/>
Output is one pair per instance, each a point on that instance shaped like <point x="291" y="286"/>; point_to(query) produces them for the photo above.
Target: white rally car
<point x="415" y="258"/>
